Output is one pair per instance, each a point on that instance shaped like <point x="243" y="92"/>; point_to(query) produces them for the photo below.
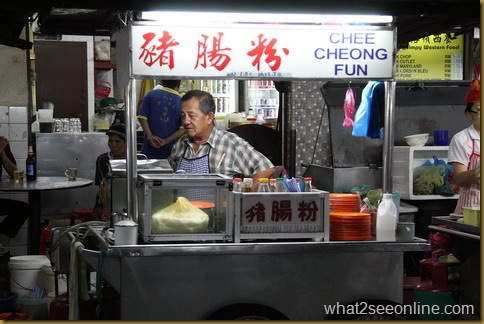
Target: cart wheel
<point x="247" y="312"/>
<point x="365" y="306"/>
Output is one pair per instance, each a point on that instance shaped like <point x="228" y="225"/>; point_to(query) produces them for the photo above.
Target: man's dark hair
<point x="207" y="104"/>
<point x="171" y="83"/>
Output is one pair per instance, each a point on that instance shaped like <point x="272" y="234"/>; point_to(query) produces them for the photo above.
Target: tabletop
<point x="43" y="183"/>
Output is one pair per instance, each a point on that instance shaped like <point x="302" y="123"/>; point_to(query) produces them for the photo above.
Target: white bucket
<point x="24" y="272"/>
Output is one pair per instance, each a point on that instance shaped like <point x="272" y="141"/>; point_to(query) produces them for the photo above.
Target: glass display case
<point x="177" y="207"/>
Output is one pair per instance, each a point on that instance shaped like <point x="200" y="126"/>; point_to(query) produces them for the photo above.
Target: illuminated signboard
<point x="436" y="57"/>
<point x="263" y="51"/>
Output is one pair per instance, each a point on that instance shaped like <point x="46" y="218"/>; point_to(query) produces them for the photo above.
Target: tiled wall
<point x="308" y="115"/>
<point x="13" y="126"/>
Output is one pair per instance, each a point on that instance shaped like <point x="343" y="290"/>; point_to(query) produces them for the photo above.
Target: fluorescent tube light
<point x="181" y="18"/>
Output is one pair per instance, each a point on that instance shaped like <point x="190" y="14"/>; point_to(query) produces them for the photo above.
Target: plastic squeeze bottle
<point x="386" y="219"/>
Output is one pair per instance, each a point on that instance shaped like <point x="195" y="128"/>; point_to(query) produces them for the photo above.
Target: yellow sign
<point x="436" y="57"/>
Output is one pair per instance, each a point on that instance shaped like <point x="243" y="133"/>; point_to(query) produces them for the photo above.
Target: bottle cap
<point x="388" y="195"/>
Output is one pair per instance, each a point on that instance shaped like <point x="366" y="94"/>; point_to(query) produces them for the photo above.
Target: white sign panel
<point x="263" y="51"/>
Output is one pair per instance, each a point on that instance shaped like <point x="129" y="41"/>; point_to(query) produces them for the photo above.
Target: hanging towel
<point x="349" y="108"/>
<point x="369" y="115"/>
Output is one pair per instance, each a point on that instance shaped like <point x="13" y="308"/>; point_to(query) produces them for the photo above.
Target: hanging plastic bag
<point x="179" y="218"/>
<point x="349" y="108"/>
<point x="368" y="117"/>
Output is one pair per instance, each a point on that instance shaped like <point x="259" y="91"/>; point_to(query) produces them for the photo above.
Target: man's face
<point x="197" y="124"/>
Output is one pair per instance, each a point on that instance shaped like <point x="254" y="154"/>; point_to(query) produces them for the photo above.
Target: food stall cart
<point x="279" y="278"/>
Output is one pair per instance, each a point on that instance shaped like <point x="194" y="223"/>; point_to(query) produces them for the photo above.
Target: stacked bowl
<point x="346" y="222"/>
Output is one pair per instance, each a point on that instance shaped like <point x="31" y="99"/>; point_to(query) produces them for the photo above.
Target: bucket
<point x="36" y="308"/>
<point x="24" y="272"/>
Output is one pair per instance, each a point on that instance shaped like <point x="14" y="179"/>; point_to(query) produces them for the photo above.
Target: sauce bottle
<point x="264" y="185"/>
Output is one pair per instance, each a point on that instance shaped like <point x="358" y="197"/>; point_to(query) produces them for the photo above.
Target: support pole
<point x="388" y="137"/>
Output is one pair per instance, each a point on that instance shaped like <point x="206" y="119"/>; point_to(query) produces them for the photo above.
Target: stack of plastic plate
<point x="349" y="226"/>
<point x="344" y="202"/>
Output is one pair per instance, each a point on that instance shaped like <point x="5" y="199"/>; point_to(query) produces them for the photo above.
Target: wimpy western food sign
<point x="263" y="51"/>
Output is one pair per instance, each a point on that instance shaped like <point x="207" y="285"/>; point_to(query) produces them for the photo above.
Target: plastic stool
<point x="83" y="214"/>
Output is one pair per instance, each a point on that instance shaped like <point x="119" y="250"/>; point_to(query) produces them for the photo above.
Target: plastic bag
<point x="445" y="189"/>
<point x="427" y="178"/>
<point x="433" y="178"/>
<point x="178" y="218"/>
<point x="349" y="108"/>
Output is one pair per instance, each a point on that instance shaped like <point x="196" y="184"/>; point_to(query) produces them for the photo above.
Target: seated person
<point x="117" y="150"/>
<point x="17" y="211"/>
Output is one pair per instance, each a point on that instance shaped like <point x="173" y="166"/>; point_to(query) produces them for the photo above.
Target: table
<point x="34" y="189"/>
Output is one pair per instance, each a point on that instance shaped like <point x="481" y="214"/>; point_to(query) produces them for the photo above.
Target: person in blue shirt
<point x="17" y="212"/>
<point x="160" y="119"/>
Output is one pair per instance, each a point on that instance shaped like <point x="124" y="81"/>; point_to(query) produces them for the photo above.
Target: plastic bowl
<point x="417" y="139"/>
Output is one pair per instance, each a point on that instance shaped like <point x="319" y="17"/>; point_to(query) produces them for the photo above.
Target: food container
<point x="286" y="215"/>
<point x="178" y="207"/>
<point x="472" y="216"/>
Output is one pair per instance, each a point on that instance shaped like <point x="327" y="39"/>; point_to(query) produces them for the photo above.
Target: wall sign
<point x="263" y="51"/>
<point x="436" y="57"/>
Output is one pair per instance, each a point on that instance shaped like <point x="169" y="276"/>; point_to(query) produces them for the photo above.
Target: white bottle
<point x="386" y="219"/>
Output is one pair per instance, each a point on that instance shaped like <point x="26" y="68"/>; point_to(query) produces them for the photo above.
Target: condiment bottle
<point x="272" y="184"/>
<point x="308" y="184"/>
<point x="386" y="219"/>
<point x="31" y="165"/>
<point x="237" y="185"/>
<point x="264" y="185"/>
<point x="280" y="185"/>
<point x="247" y="185"/>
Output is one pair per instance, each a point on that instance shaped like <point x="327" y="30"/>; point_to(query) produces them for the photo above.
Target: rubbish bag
<point x="179" y="218"/>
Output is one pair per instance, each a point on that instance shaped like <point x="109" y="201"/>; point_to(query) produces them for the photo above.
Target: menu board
<point x="436" y="57"/>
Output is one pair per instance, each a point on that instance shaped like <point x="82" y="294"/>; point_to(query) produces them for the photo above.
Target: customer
<point x="464" y="153"/>
<point x="17" y="211"/>
<point x="117" y="150"/>
<point x="206" y="149"/>
<point x="160" y="119"/>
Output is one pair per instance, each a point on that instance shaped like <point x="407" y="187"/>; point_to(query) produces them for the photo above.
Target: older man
<point x="205" y="149"/>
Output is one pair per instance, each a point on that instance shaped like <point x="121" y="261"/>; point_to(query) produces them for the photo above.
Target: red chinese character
<point x="273" y="60"/>
<point x="217" y="59"/>
<point x="257" y="212"/>
<point x="151" y="53"/>
<point x="281" y="211"/>
<point x="307" y="211"/>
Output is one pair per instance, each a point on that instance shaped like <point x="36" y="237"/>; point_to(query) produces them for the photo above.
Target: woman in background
<point x="464" y="153"/>
<point x="117" y="150"/>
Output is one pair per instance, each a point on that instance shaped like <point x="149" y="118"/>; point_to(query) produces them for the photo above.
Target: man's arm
<point x="8" y="164"/>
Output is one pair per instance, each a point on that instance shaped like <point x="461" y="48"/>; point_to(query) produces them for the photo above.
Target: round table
<point x="34" y="187"/>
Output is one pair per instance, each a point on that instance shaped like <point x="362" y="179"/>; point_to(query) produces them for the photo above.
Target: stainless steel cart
<point x="259" y="280"/>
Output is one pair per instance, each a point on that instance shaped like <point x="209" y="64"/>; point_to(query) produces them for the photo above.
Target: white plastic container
<point x="386" y="219"/>
<point x="25" y="271"/>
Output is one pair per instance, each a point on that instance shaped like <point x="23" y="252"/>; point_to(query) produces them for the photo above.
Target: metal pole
<point x="131" y="170"/>
<point x="388" y="137"/>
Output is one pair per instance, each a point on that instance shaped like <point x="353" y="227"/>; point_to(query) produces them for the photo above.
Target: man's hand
<point x="155" y="141"/>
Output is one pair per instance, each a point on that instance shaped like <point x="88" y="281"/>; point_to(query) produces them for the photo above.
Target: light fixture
<point x="183" y="18"/>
